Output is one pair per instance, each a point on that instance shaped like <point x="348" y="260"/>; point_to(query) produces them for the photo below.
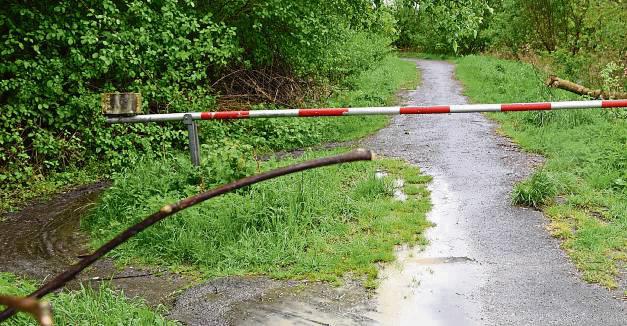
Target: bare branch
<point x="567" y="85"/>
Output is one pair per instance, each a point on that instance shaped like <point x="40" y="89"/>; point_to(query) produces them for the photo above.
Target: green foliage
<point x="57" y="58"/>
<point x="572" y="25"/>
<point x="350" y="218"/>
<point x="102" y="306"/>
<point x="586" y="162"/>
<point x="325" y="38"/>
<point x="579" y="37"/>
<point x="448" y="27"/>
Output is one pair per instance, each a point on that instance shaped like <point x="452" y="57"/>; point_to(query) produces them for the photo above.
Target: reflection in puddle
<point x="437" y="285"/>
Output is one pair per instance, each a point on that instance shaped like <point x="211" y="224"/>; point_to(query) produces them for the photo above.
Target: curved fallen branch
<point x="61" y="279"/>
<point x="556" y="82"/>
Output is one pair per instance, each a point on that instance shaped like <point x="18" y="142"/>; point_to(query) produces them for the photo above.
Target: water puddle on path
<point x="437" y="285"/>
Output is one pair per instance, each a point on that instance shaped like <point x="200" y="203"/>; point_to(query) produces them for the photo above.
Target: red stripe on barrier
<point x="321" y="112"/>
<point x="525" y="106"/>
<point x="425" y="109"/>
<point x="614" y="104"/>
<point x="224" y="115"/>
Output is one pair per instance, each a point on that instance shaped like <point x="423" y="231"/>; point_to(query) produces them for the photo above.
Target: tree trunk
<point x="557" y="82"/>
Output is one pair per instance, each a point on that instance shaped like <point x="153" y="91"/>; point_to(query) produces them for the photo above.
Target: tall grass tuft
<point x="536" y="191"/>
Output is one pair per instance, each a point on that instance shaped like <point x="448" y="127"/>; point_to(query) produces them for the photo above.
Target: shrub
<point x="57" y="58"/>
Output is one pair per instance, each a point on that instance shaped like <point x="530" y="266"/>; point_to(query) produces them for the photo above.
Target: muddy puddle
<point x="438" y="284"/>
<point x="262" y="301"/>
<point x="44" y="238"/>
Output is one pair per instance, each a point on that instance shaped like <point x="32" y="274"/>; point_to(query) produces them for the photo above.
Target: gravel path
<point x="489" y="263"/>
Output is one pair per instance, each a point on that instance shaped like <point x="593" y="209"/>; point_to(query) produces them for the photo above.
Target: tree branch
<point x="567" y="85"/>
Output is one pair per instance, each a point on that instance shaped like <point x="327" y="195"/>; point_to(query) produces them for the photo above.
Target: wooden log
<point x="556" y="82"/>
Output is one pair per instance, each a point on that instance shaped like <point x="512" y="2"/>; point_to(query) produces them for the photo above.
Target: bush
<point x="448" y="27"/>
<point x="57" y="58"/>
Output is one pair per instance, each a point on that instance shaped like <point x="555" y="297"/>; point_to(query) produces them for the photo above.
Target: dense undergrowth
<point x="102" y="306"/>
<point x="583" y="185"/>
<point x="56" y="59"/>
<point x="318" y="224"/>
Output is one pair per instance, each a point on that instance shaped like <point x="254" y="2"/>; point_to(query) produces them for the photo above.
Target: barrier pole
<point x="391" y="110"/>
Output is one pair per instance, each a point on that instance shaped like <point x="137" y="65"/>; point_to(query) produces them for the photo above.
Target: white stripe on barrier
<point x="468" y="108"/>
<point x="575" y="105"/>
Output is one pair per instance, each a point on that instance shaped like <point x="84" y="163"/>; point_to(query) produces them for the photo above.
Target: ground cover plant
<point x="582" y="186"/>
<point x="317" y="225"/>
<point x="102" y="306"/>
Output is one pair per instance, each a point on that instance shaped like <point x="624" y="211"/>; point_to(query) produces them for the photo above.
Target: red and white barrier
<point x="394" y="110"/>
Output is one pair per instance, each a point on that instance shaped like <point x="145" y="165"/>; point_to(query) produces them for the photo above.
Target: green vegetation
<point x="376" y="86"/>
<point x="57" y="58"/>
<point x="318" y="224"/>
<point x="102" y="306"/>
<point x="535" y="191"/>
<point x="586" y="165"/>
<point x="264" y="232"/>
<point x="441" y="26"/>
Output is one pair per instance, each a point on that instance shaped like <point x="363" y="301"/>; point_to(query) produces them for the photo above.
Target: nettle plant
<point x="611" y="75"/>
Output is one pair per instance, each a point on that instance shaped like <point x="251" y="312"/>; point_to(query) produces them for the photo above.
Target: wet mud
<point x="262" y="301"/>
<point x="44" y="238"/>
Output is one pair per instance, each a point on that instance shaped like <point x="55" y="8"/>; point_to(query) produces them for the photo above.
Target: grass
<point x="536" y="191"/>
<point x="586" y="164"/>
<point x="426" y="56"/>
<point x="102" y="306"/>
<point x="317" y="225"/>
<point x="376" y="87"/>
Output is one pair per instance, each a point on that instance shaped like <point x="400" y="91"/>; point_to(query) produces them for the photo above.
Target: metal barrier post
<point x="194" y="144"/>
